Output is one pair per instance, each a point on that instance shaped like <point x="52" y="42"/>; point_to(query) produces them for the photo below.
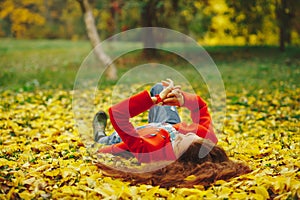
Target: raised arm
<point x="121" y="113"/>
<point x="126" y="109"/>
<point x="119" y="116"/>
<point x="202" y="123"/>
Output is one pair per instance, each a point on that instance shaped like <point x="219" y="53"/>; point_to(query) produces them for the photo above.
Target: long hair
<point x="205" y="170"/>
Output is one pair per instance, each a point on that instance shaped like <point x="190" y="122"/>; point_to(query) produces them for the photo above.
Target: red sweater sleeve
<point x="123" y="111"/>
<point x="114" y="149"/>
<point x="202" y="123"/>
<point x="144" y="147"/>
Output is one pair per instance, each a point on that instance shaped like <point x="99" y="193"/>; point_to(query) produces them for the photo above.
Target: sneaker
<point x="99" y="124"/>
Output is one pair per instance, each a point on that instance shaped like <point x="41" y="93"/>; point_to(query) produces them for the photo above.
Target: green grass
<point x="258" y="67"/>
<point x="31" y="64"/>
<point x="40" y="63"/>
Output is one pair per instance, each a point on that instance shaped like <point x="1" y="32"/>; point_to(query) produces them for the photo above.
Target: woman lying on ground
<point x="190" y="148"/>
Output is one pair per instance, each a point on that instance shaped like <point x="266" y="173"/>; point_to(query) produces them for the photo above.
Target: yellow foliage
<point x="21" y="16"/>
<point x="42" y="156"/>
<point x="104" y="17"/>
<point x="219" y="6"/>
<point x="198" y="5"/>
<point x="261" y="190"/>
<point x="187" y="15"/>
<point x="9" y="7"/>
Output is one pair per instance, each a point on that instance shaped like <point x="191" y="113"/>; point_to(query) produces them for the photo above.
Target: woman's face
<point x="183" y="141"/>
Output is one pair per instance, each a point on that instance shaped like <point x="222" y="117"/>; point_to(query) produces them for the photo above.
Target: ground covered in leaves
<point x="42" y="155"/>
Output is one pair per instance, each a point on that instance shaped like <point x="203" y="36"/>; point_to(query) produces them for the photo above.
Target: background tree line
<point x="238" y="22"/>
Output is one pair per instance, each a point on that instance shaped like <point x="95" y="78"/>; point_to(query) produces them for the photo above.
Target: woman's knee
<point x="156" y="89"/>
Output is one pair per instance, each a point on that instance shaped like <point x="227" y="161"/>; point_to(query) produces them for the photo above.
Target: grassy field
<point x="54" y="63"/>
<point x="42" y="63"/>
<point x="43" y="155"/>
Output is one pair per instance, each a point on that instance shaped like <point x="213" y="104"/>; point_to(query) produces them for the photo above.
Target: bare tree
<point x="95" y="39"/>
<point x="285" y="12"/>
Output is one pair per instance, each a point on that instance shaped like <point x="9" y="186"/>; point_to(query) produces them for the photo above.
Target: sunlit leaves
<point x="43" y="156"/>
<point x="21" y="15"/>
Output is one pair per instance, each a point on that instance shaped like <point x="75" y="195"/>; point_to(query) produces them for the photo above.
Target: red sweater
<point x="145" y="145"/>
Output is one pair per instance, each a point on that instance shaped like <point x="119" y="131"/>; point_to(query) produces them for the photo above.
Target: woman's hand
<point x="169" y="86"/>
<point x="171" y="95"/>
<point x="174" y="98"/>
<point x="174" y="95"/>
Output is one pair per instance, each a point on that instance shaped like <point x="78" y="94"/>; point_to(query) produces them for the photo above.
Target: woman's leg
<point x="162" y="114"/>
<point x="99" y="125"/>
<point x="114" y="138"/>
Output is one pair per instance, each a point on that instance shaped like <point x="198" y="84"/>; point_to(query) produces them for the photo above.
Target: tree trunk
<point x="95" y="39"/>
<point x="147" y="18"/>
<point x="281" y="38"/>
<point x="284" y="16"/>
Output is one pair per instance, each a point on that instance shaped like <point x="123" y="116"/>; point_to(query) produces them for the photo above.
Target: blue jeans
<point x="157" y="114"/>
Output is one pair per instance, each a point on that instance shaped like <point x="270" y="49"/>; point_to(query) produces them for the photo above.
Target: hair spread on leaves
<point x="204" y="171"/>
